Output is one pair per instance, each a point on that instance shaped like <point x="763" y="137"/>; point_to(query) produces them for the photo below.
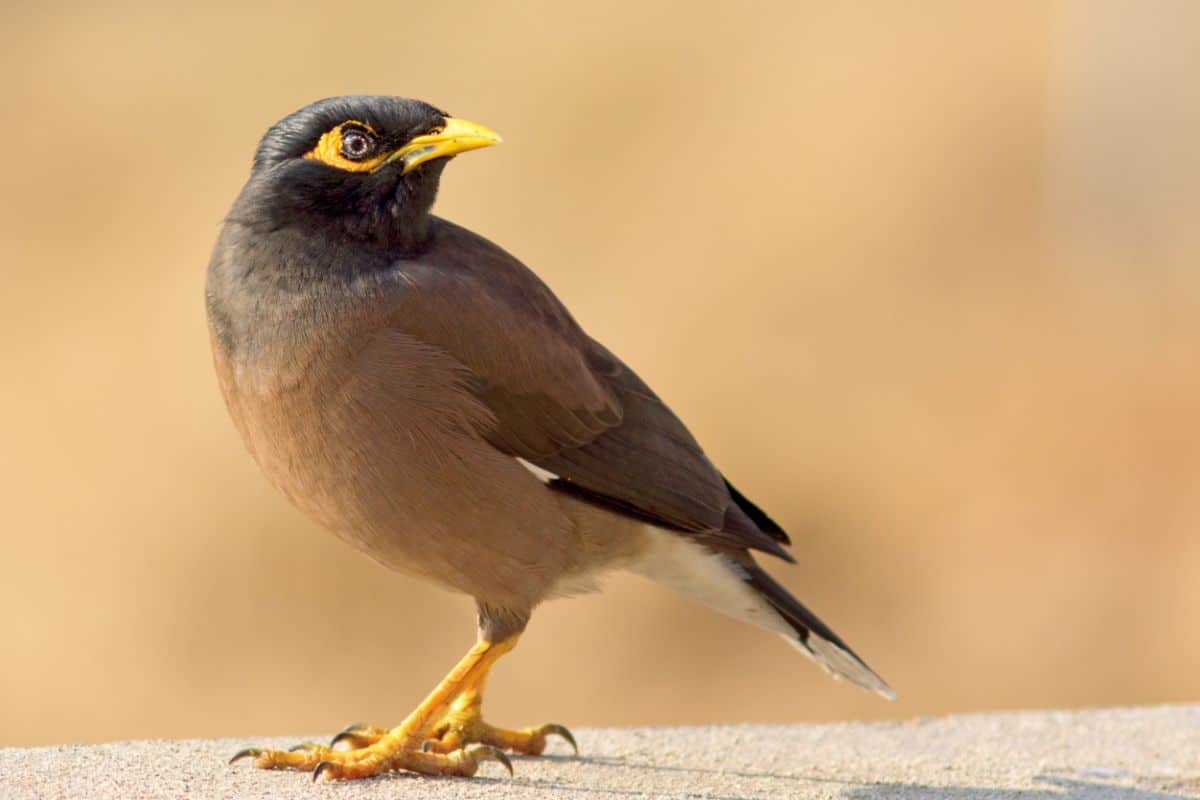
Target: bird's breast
<point x="376" y="436"/>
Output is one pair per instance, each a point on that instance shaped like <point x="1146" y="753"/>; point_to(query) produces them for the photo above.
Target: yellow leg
<point x="463" y="725"/>
<point x="401" y="747"/>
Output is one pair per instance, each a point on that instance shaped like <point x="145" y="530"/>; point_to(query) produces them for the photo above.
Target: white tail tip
<point x="840" y="664"/>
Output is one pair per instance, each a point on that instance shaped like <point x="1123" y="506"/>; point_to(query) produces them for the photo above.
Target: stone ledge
<point x="1125" y="754"/>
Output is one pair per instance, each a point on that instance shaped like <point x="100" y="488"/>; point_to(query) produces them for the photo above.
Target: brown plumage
<point x="423" y="395"/>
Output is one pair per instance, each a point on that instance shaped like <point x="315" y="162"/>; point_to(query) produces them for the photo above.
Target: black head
<point x="361" y="167"/>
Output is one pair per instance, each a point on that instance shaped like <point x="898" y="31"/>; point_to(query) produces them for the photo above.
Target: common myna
<point x="423" y="395"/>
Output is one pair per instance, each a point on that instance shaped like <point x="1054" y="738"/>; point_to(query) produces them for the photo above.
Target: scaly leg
<point x="463" y="725"/>
<point x="401" y="747"/>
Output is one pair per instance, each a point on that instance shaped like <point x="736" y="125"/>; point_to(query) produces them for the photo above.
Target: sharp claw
<point x="564" y="733"/>
<point x="426" y="745"/>
<point x="485" y="752"/>
<point x="321" y="767"/>
<point x="353" y="729"/>
<point x="303" y="747"/>
<point x="249" y="752"/>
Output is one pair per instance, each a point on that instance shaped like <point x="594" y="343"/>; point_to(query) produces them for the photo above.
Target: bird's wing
<point x="560" y="400"/>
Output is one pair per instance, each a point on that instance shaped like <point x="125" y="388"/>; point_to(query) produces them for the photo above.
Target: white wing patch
<point x="543" y="475"/>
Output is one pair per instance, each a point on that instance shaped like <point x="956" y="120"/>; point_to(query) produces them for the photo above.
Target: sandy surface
<point x="1130" y="754"/>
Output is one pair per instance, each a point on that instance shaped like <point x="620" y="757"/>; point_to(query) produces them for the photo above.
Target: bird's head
<point x="359" y="166"/>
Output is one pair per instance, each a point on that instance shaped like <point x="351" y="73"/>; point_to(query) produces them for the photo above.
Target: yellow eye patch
<point x="329" y="149"/>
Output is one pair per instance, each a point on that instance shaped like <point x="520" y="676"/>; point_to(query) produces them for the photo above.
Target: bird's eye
<point x="357" y="144"/>
<point x="351" y="146"/>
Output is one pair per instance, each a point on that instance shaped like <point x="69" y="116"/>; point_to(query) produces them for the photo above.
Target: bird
<point x="424" y="396"/>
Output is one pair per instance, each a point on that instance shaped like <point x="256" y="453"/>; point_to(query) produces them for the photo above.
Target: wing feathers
<point x="560" y="400"/>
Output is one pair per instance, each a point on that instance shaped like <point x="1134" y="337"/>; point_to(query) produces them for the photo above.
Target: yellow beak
<point x="455" y="136"/>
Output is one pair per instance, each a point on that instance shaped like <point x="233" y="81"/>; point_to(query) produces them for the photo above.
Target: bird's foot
<point x="466" y="729"/>
<point x="387" y="751"/>
<point x="444" y="735"/>
<point x="358" y="735"/>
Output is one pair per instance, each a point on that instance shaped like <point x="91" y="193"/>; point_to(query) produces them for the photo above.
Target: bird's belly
<point x="393" y="463"/>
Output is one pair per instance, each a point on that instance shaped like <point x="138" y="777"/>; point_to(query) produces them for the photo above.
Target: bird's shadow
<point x="624" y="763"/>
<point x="1056" y="787"/>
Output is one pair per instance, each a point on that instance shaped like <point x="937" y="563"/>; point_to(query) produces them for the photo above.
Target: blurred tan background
<point x="925" y="283"/>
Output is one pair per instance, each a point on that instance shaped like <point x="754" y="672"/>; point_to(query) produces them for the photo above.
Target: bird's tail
<point x="735" y="585"/>
<point x="813" y="637"/>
